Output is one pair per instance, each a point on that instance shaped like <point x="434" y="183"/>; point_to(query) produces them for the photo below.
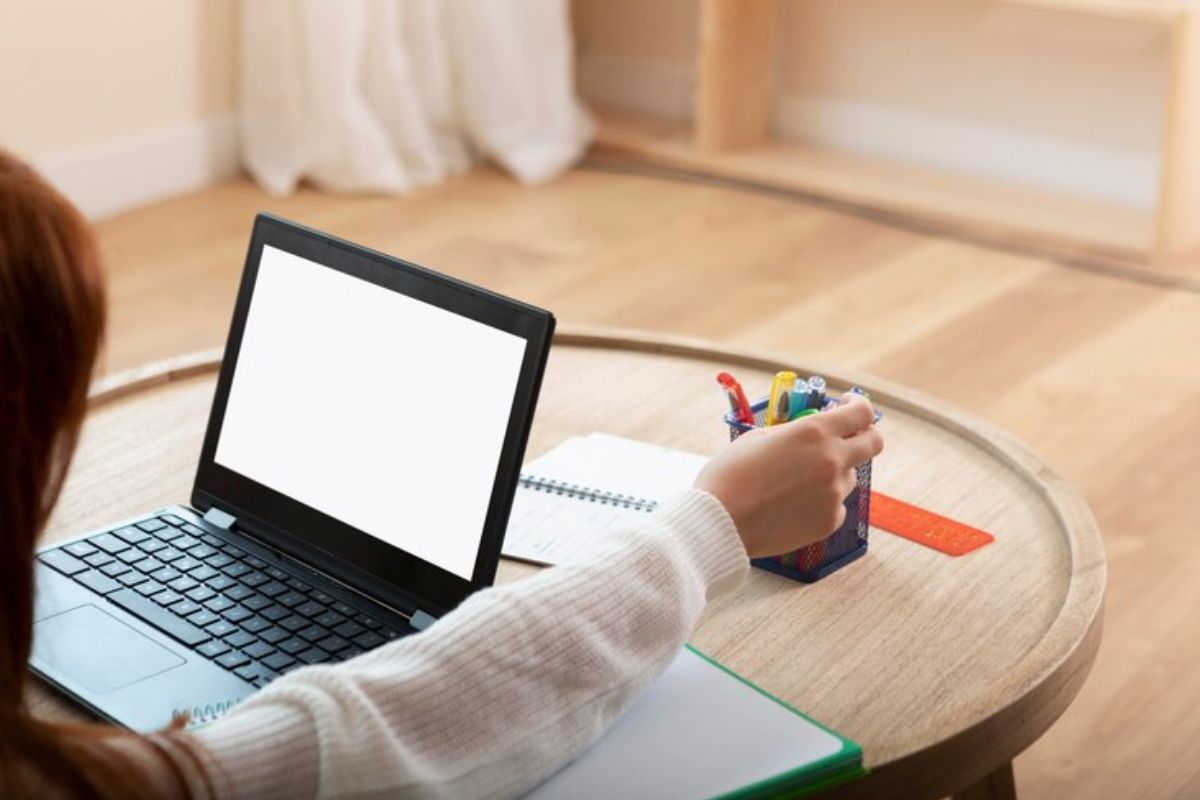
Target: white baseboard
<point x="1124" y="175"/>
<point x="117" y="177"/>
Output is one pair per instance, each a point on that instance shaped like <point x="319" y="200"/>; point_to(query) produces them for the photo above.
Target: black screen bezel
<point x="346" y="552"/>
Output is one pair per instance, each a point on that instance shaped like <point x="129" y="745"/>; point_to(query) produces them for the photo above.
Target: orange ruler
<point x="925" y="527"/>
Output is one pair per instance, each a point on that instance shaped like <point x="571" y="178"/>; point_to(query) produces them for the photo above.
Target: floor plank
<point x="1098" y="373"/>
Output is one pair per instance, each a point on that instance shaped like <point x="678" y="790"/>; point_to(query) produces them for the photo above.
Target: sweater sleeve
<point x="498" y="694"/>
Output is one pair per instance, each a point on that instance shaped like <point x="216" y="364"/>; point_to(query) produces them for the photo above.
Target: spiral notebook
<point x="586" y="486"/>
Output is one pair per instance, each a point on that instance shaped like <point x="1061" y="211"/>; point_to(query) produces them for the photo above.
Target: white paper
<point x="697" y="732"/>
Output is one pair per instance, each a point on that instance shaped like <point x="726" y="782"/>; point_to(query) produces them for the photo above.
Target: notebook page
<point x="697" y="732"/>
<point x="550" y="529"/>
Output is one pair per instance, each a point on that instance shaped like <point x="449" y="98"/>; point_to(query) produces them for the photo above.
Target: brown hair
<point x="51" y="324"/>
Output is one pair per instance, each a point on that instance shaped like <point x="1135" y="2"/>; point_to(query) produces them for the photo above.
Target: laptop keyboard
<point x="252" y="619"/>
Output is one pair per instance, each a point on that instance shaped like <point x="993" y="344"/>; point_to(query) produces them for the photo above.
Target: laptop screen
<point x="379" y="410"/>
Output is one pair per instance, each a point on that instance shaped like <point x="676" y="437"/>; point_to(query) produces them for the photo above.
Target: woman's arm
<point x="501" y="692"/>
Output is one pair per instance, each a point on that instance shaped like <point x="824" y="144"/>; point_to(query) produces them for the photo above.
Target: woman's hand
<point x="784" y="486"/>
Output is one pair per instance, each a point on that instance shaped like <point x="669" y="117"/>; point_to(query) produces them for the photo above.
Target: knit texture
<point x="501" y="692"/>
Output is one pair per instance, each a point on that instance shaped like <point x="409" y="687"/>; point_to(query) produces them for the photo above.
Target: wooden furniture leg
<point x="999" y="785"/>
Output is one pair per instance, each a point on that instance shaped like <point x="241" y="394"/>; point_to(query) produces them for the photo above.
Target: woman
<point x="499" y="694"/>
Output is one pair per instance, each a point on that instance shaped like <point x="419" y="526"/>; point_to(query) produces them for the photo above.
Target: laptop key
<point x="275" y="613"/>
<point x="186" y="542"/>
<point x="185" y="564"/>
<point x="79" y="549"/>
<point x="344" y="609"/>
<point x="368" y="622"/>
<point x="249" y="673"/>
<point x="272" y="589"/>
<point x="255" y="602"/>
<point x="313" y="655"/>
<point x="239" y="640"/>
<point x="152" y="613"/>
<point x="221" y="628"/>
<point x="256" y="562"/>
<point x="208" y="538"/>
<point x="169" y="554"/>
<point x="148" y="565"/>
<point x="278" y="574"/>
<point x="114" y="568"/>
<point x="322" y="598"/>
<point x="200" y="551"/>
<point x="232" y="660"/>
<point x="132" y="578"/>
<point x="278" y="661"/>
<point x="166" y="575"/>
<point x="131" y="534"/>
<point x="349" y="629"/>
<point x="255" y="579"/>
<point x="333" y="643"/>
<point x="131" y="556"/>
<point x="64" y="562"/>
<point x="149" y="587"/>
<point x="254" y="624"/>
<point x="219" y="604"/>
<point x="312" y="633"/>
<point x="109" y="543"/>
<point x="97" y="582"/>
<point x="203" y="617"/>
<point x="99" y="559"/>
<point x="297" y="585"/>
<point x="203" y="573"/>
<point x="329" y="619"/>
<point x="152" y="525"/>
<point x="236" y="569"/>
<point x="273" y="635"/>
<point x="167" y="598"/>
<point x="291" y="599"/>
<point x="293" y="646"/>
<point x="238" y="592"/>
<point x="201" y="594"/>
<point x="232" y="550"/>
<point x="183" y="584"/>
<point x="293" y="623"/>
<point x="213" y="648"/>
<point x="237" y="614"/>
<point x="186" y="607"/>
<point x="193" y="530"/>
<point x="309" y="609"/>
<point x="171" y="519"/>
<point x="218" y="561"/>
<point x="369" y="640"/>
<point x="221" y="582"/>
<point x="265" y="676"/>
<point x="349" y="653"/>
<point x="152" y="546"/>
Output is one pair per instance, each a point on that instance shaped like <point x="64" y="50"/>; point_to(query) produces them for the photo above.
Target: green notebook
<point x="701" y="732"/>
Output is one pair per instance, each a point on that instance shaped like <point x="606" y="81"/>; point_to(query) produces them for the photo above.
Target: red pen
<point x="738" y="404"/>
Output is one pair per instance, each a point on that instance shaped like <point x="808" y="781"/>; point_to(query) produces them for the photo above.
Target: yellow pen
<point x="779" y="406"/>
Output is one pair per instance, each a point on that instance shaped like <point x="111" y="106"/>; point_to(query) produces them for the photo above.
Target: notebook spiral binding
<point x="202" y="715"/>
<point x="564" y="489"/>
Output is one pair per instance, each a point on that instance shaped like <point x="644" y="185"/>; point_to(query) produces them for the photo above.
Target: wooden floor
<point x="1101" y="375"/>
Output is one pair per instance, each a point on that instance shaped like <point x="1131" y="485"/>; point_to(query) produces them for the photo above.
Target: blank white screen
<point x="379" y="410"/>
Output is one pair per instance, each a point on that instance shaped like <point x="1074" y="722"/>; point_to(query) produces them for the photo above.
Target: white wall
<point x="120" y="102"/>
<point x="1036" y="97"/>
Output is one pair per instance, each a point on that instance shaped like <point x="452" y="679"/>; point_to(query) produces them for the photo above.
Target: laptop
<point x="354" y="485"/>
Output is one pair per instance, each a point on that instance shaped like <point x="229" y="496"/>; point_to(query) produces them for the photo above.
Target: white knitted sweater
<point x="498" y="694"/>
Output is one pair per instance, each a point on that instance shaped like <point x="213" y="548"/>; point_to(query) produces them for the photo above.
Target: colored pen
<point x="800" y="413"/>
<point x="780" y="403"/>
<point x="816" y="392"/>
<point x="739" y="406"/>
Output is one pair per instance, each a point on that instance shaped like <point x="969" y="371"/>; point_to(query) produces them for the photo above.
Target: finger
<point x="853" y="415"/>
<point x="863" y="446"/>
<point x="847" y="483"/>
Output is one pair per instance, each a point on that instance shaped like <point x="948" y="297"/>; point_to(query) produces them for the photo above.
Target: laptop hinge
<point x="421" y="620"/>
<point x="217" y="517"/>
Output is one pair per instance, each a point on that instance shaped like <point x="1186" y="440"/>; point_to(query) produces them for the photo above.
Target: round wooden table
<point x="942" y="668"/>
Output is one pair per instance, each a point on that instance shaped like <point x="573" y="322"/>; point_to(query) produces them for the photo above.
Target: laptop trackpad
<point x="96" y="650"/>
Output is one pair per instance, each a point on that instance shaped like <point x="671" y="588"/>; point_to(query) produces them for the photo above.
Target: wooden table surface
<point x="942" y="668"/>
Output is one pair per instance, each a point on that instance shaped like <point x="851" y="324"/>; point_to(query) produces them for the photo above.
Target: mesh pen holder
<point x="815" y="561"/>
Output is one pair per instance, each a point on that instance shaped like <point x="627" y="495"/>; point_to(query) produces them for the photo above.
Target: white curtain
<point x="385" y="95"/>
